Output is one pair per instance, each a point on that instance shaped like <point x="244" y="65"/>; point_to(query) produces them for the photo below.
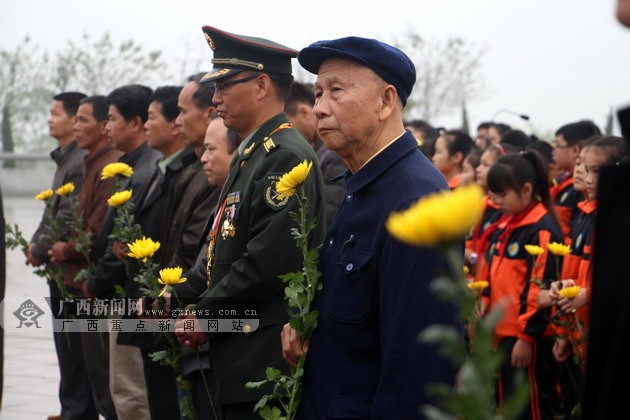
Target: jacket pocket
<point x="351" y="288"/>
<point x="351" y="407"/>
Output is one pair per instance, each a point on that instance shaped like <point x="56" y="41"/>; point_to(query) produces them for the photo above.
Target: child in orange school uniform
<point x="451" y="149"/>
<point x="477" y="242"/>
<point x="570" y="374"/>
<point x="519" y="186"/>
<point x="602" y="151"/>
<point x="566" y="148"/>
<point x="469" y="167"/>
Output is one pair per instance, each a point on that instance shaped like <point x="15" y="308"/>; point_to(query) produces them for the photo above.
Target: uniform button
<point x="349" y="197"/>
<point x="349" y="267"/>
<point x="331" y="242"/>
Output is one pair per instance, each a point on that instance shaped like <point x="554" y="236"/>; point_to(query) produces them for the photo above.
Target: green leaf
<point x="292" y="293"/>
<point x="158" y="355"/>
<point x="262" y="402"/>
<point x="309" y="324"/>
<point x="254" y="385"/>
<point x="120" y="291"/>
<point x="273" y="374"/>
<point x="82" y="275"/>
<point x="268" y="413"/>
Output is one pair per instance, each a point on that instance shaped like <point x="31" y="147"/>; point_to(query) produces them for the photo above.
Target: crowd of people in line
<point x="538" y="193"/>
<point x="205" y="159"/>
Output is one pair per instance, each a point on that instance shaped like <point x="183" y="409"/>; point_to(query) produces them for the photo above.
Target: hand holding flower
<point x="560" y="350"/>
<point x="190" y="337"/>
<point x="120" y="250"/>
<point x="293" y="348"/>
<point x="572" y="302"/>
<point x="56" y="253"/>
<point x="556" y="286"/>
<point x="30" y="258"/>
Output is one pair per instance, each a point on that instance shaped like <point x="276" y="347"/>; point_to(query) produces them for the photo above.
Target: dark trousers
<point x="95" y="347"/>
<point x="204" y="407"/>
<point x="74" y="394"/>
<point x="541" y="375"/>
<point x="240" y="411"/>
<point x="161" y="389"/>
<point x="571" y="380"/>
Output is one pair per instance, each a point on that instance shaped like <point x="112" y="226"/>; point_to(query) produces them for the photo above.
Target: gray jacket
<point x="69" y="162"/>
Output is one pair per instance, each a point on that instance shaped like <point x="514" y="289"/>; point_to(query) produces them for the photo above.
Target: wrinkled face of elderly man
<point x="351" y="104"/>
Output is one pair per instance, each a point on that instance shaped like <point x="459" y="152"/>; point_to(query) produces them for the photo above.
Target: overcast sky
<point x="555" y="60"/>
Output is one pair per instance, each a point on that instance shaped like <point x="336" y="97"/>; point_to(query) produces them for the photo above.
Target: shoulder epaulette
<point x="268" y="142"/>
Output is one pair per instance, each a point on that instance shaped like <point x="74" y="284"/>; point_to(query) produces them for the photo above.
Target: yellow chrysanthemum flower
<point x="119" y="198"/>
<point x="439" y="218"/>
<point x="569" y="292"/>
<point x="478" y="285"/>
<point x="143" y="248"/>
<point x="534" y="249"/>
<point x="170" y="276"/>
<point x="116" y="168"/>
<point x="559" y="249"/>
<point x="65" y="189"/>
<point x="44" y="195"/>
<point x="290" y="181"/>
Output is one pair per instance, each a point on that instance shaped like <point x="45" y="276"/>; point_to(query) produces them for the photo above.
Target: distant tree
<point x="448" y="74"/>
<point x="23" y="95"/>
<point x="29" y="78"/>
<point x="99" y="66"/>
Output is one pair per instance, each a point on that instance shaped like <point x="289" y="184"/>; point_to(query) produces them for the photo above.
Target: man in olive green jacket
<point x="251" y="235"/>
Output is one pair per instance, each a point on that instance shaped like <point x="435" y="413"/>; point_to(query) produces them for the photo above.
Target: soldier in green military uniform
<point x="250" y="242"/>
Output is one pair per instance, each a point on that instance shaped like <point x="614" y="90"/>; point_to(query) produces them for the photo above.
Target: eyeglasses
<point x="557" y="146"/>
<point x="221" y="87"/>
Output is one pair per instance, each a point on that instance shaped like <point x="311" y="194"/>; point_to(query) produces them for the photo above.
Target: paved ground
<point x="31" y="374"/>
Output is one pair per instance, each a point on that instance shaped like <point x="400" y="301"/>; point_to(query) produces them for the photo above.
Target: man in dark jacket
<point x="220" y="146"/>
<point x="173" y="210"/>
<point x="364" y="359"/>
<point x="251" y="244"/>
<point x="198" y="199"/>
<point x="191" y="200"/>
<point x="127" y="114"/>
<point x="76" y="402"/>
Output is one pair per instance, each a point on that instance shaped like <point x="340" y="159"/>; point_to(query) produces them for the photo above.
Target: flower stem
<point x="294" y="400"/>
<point x="205" y="384"/>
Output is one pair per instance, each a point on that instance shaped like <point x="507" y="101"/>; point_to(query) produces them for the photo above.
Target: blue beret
<point x="390" y="63"/>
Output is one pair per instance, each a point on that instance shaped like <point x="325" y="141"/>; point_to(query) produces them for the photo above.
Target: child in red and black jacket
<point x="477" y="242"/>
<point x="566" y="148"/>
<point x="602" y="152"/>
<point x="451" y="149"/>
<point x="570" y="374"/>
<point x="519" y="186"/>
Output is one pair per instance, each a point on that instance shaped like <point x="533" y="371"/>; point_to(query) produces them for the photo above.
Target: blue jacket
<point x="364" y="359"/>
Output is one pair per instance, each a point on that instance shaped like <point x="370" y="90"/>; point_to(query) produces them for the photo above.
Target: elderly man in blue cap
<point x="365" y="361"/>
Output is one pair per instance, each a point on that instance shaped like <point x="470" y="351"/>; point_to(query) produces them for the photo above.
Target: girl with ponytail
<point x="519" y="186"/>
